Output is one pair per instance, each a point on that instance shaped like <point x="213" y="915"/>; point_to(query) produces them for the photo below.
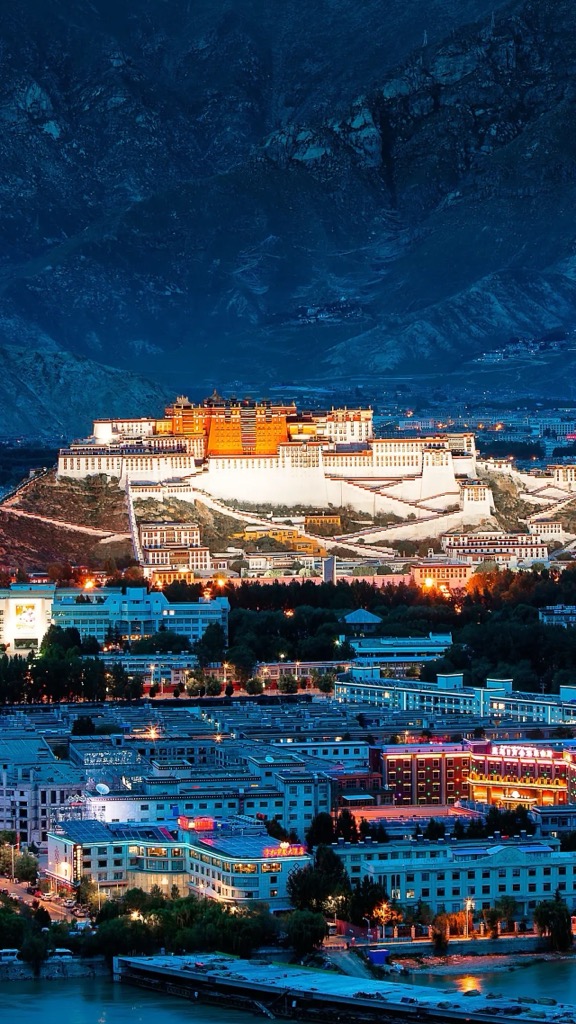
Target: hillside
<point x="216" y="529"/>
<point x="55" y="395"/>
<point x="50" y="520"/>
<point x="96" y="501"/>
<point x="209" y="182"/>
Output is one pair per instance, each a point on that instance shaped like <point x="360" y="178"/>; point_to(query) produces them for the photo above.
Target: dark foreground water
<point x="98" y="1001"/>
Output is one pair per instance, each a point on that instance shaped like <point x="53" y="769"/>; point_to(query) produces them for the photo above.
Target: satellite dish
<point x="102" y="788"/>
<point x="269" y="759"/>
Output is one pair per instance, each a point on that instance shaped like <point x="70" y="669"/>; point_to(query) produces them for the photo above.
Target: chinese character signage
<point x="524" y="753"/>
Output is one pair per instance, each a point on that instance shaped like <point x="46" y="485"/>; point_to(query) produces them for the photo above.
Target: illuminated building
<point x="505" y="774"/>
<point x="242" y="868"/>
<point x="496" y="702"/>
<point x="284" y="535"/>
<point x="134" y="613"/>
<point x="270" y="452"/>
<point x="507" y="550"/>
<point x="444" y="574"/>
<point x="116" y="857"/>
<point x="172" y="551"/>
<point x="398" y="652"/>
<point x="230" y="861"/>
<point x="443" y="873"/>
<point x="426" y="774"/>
<point x="25" y="616"/>
<point x="508" y="774"/>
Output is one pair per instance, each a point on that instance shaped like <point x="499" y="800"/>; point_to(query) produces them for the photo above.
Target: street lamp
<point x="368" y="932"/>
<point x="12" y="848"/>
<point x="468" y="907"/>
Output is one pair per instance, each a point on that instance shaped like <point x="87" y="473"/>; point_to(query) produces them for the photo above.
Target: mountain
<point x="222" y="189"/>
<point x="54" y="396"/>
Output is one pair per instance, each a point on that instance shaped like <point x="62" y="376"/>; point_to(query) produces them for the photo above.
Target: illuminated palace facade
<point x="262" y="452"/>
<point x="505" y="774"/>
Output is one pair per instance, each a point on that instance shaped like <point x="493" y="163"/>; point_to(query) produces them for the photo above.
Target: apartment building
<point x="34" y="785"/>
<point x="444" y="873"/>
<point x="448" y="696"/>
<point x="133" y="613"/>
<point x="508" y="550"/>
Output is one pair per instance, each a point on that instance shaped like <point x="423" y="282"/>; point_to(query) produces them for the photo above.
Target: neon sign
<point x="196" y="824"/>
<point x="537" y="753"/>
<point x="285" y="850"/>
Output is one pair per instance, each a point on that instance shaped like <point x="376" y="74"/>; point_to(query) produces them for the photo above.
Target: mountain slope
<point x="216" y="189"/>
<point x="56" y="395"/>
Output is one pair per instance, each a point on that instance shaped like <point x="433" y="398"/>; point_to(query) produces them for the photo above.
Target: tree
<point x="507" y="907"/>
<point x="366" y="896"/>
<point x="310" y="887"/>
<point x="254" y="686"/>
<point x="26" y="867"/>
<point x="83" y="726"/>
<point x="163" y="642"/>
<point x="346" y="827"/>
<point x="288" y="684"/>
<point x="305" y="930"/>
<point x="491" y="917"/>
<point x="552" y="918"/>
<point x="209" y="649"/>
<point x="243" y="659"/>
<point x="320" y="830"/>
<point x="434" y="830"/>
<point x="213" y="688"/>
<point x="87" y="892"/>
<point x="34" y="951"/>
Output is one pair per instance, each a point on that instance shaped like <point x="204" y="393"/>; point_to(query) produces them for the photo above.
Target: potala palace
<point x="266" y="453"/>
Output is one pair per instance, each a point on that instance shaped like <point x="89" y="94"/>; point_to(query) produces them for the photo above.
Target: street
<point x="56" y="910"/>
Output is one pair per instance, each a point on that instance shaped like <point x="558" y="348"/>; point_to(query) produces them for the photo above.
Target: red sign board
<point x="197" y="824"/>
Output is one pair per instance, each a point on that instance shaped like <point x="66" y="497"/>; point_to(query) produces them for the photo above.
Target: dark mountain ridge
<point x="217" y="189"/>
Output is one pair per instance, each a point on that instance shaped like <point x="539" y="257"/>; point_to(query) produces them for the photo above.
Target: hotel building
<point x="231" y="861"/>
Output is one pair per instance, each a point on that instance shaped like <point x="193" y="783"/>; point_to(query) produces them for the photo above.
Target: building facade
<point x="132" y="613"/>
<point x="443" y="874"/>
<point x="265" y="452"/>
<point x="231" y="861"/>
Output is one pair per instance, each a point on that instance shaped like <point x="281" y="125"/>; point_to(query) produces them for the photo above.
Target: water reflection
<point x="469" y="983"/>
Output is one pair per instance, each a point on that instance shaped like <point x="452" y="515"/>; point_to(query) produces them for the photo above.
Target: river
<point x="99" y="1001"/>
<point x="553" y="979"/>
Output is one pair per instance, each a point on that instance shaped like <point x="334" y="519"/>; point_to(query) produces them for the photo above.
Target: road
<point x="56" y="910"/>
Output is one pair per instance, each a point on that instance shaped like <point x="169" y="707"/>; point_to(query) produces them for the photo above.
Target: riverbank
<point x="479" y="964"/>
<point x="55" y="970"/>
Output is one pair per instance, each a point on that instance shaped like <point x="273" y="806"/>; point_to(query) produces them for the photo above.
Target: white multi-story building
<point x="133" y="613"/>
<point x="34" y="785"/>
<point x="318" y="459"/>
<point x="448" y="696"/>
<point x="446" y="873"/>
<point x="234" y="862"/>
<point x="25" y="616"/>
<point x="506" y="549"/>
